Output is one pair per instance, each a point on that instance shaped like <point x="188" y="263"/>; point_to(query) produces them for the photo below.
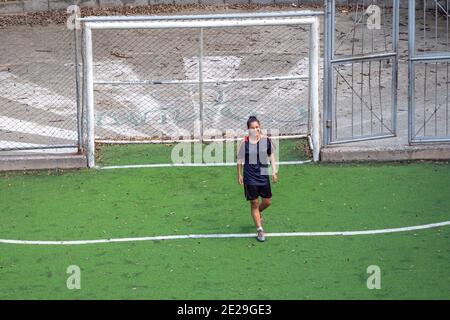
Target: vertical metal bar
<point x="426" y="66"/>
<point x="425" y="101"/>
<point x="308" y="132"/>
<point x="89" y="77"/>
<point x="362" y="73"/>
<point x="361" y="99"/>
<point x="333" y="29"/>
<point x="411" y="71"/>
<point x="370" y="82"/>
<point x="372" y="35"/>
<point x="370" y="97"/>
<point x="436" y="67"/>
<point x="424" y="24"/>
<point x="200" y="85"/>
<point x="331" y="57"/>
<point x="380" y="66"/>
<point x="327" y="70"/>
<point x="84" y="100"/>
<point x="384" y="26"/>
<point x="335" y="105"/>
<point x="446" y="105"/>
<point x="424" y="46"/>
<point x="77" y="83"/>
<point x="363" y="29"/>
<point x="314" y="52"/>
<point x="436" y="24"/>
<point x="435" y="96"/>
<point x="379" y="94"/>
<point x="395" y="37"/>
<point x="353" y="69"/>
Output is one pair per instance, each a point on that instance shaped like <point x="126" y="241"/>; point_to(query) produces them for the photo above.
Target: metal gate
<point x="428" y="63"/>
<point x="361" y="63"/>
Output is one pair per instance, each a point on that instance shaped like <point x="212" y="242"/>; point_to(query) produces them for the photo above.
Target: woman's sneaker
<point x="260" y="237"/>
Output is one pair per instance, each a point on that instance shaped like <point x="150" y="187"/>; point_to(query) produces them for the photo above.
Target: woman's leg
<point x="265" y="203"/>
<point x="254" y="207"/>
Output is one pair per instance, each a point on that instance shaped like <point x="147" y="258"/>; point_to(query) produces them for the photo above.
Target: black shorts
<point x="253" y="192"/>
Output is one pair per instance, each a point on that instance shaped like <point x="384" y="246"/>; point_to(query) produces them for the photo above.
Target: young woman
<point x="254" y="153"/>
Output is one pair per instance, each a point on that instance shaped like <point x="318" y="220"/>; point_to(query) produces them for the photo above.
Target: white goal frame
<point x="309" y="18"/>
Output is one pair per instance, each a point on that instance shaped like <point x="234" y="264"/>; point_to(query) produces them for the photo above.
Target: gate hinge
<point x="328" y="123"/>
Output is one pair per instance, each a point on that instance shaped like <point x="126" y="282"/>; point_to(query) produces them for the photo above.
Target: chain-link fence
<point x="38" y="91"/>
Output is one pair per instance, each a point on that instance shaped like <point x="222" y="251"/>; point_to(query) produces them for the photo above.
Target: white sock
<point x="259" y="229"/>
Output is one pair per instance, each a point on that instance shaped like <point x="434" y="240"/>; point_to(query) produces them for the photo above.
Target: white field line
<point x="229" y="235"/>
<point x="17" y="125"/>
<point x="192" y="164"/>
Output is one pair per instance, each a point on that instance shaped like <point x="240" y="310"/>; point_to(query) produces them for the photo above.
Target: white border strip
<point x="192" y="164"/>
<point x="229" y="235"/>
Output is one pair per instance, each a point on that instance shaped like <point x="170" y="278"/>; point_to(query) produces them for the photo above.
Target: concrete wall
<point x="11" y="7"/>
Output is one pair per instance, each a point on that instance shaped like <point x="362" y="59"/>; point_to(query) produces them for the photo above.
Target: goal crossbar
<point x="278" y="14"/>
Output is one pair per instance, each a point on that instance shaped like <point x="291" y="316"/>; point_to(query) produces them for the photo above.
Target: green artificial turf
<point x="132" y="154"/>
<point x="80" y="205"/>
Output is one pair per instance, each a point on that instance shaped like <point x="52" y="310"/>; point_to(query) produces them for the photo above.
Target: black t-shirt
<point x="255" y="157"/>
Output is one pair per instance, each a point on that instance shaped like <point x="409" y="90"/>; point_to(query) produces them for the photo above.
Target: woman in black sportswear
<point x="254" y="154"/>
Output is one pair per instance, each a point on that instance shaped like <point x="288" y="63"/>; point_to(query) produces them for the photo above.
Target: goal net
<point x="198" y="78"/>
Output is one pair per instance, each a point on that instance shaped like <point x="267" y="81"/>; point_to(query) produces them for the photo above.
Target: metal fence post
<point x="77" y="80"/>
<point x="327" y="84"/>
<point x="411" y="73"/>
<point x="395" y="36"/>
<point x="90" y="150"/>
<point x="200" y="85"/>
<point x="314" y="52"/>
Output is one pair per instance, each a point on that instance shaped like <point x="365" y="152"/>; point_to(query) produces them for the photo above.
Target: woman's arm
<point x="239" y="164"/>
<point x="239" y="172"/>
<point x="274" y="166"/>
<point x="271" y="153"/>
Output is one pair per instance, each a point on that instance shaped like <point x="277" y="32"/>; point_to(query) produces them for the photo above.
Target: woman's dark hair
<point x="252" y="119"/>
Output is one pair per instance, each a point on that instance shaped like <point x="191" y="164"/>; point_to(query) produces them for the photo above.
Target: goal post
<point x="201" y="23"/>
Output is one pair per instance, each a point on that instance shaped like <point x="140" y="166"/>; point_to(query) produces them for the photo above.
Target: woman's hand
<point x="274" y="177"/>
<point x="240" y="180"/>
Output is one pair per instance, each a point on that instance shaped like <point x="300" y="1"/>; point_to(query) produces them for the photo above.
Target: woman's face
<point x="254" y="129"/>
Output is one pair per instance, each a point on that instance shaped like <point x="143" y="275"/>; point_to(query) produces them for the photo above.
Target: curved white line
<point x="229" y="235"/>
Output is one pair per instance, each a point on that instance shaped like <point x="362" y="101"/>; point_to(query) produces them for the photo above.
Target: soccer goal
<point x="168" y="79"/>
